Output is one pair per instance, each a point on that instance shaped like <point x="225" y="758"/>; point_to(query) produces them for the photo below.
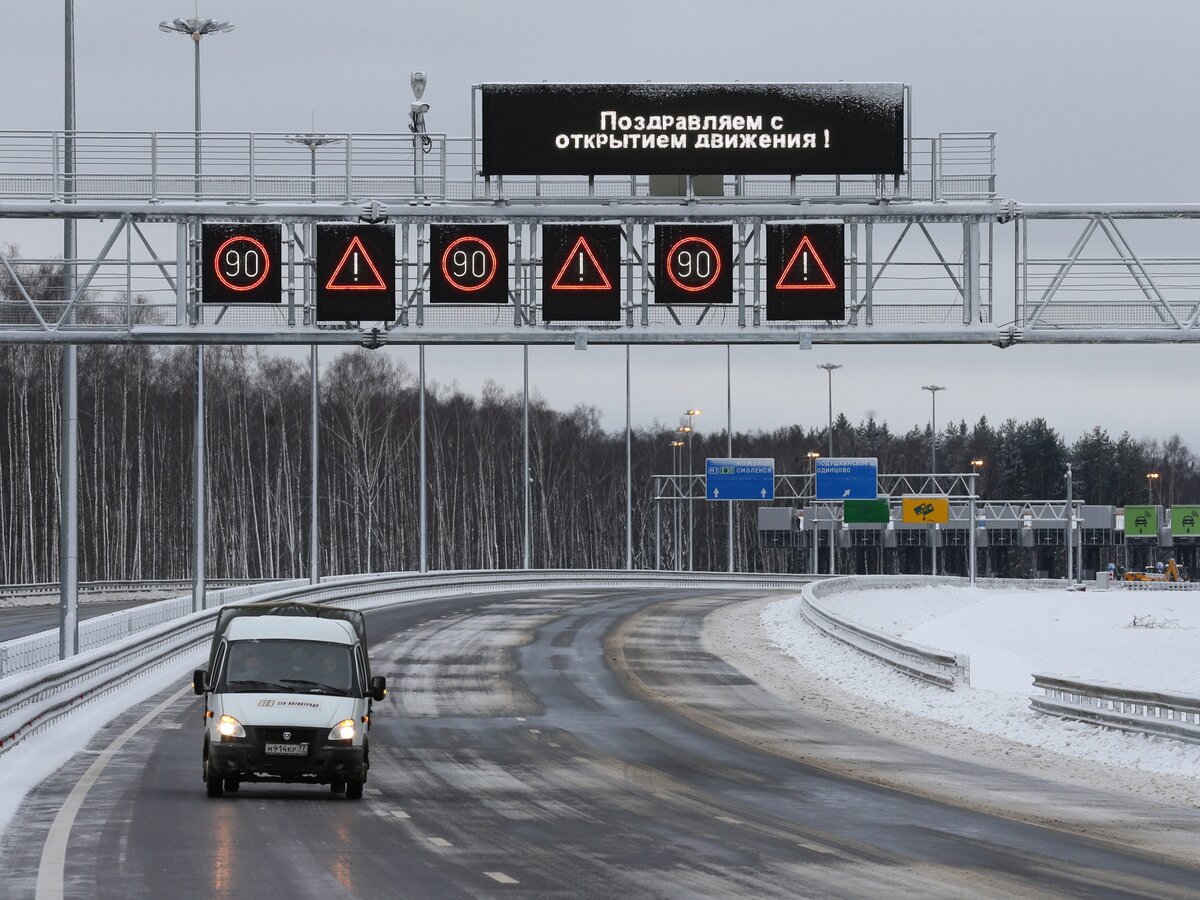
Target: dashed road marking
<point x="439" y="842"/>
<point x="501" y="877"/>
<point x="730" y="820"/>
<point x="376" y="791"/>
<point x="400" y="814"/>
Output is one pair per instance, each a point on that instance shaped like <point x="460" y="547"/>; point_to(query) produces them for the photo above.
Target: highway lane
<point x="19" y="621"/>
<point x="519" y="754"/>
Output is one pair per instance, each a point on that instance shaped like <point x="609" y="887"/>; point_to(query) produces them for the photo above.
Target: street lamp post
<point x="829" y="369"/>
<point x="312" y="141"/>
<point x="933" y="392"/>
<point x="690" y="429"/>
<point x="813" y="456"/>
<point x="196" y="28"/>
<point x="976" y="464"/>
<point x="1151" y="477"/>
<point x="675" y="451"/>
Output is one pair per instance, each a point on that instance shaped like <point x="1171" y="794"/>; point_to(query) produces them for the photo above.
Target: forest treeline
<point x="135" y="439"/>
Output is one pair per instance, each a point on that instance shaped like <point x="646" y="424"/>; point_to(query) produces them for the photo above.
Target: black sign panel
<point x="356" y="273"/>
<point x="241" y="263"/>
<point x="693" y="129"/>
<point x="468" y="264"/>
<point x="806" y="272"/>
<point x="693" y="264"/>
<point x="581" y="273"/>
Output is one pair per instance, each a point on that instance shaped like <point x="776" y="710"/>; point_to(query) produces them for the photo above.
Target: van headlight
<point x="228" y="726"/>
<point x="342" y="731"/>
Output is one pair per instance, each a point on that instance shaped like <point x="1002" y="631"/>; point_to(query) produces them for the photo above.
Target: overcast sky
<point x="1092" y="101"/>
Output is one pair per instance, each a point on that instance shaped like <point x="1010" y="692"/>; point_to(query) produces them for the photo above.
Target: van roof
<point x="334" y="631"/>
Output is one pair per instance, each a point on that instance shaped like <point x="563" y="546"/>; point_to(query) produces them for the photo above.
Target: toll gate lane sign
<point x="356" y="272"/>
<point x="739" y="479"/>
<point x="847" y="478"/>
<point x="693" y="264"/>
<point x="468" y="264"/>
<point x="581" y="273"/>
<point x="240" y="263"/>
<point x="933" y="510"/>
<point x="806" y="272"/>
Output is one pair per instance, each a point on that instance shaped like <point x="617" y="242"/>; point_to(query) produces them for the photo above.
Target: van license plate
<point x="288" y="749"/>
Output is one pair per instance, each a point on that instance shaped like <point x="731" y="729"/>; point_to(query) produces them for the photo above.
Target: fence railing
<point x="1155" y="713"/>
<point x="352" y="168"/>
<point x="32" y="701"/>
<point x="114" y="587"/>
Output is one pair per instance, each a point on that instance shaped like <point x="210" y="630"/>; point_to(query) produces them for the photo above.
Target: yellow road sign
<point x="918" y="510"/>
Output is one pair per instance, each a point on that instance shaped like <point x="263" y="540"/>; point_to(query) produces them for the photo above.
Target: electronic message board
<point x="581" y="273"/>
<point x="356" y="272"/>
<point x="468" y="263"/>
<point x="693" y="129"/>
<point x="806" y="272"/>
<point x="693" y="264"/>
<point x="241" y="263"/>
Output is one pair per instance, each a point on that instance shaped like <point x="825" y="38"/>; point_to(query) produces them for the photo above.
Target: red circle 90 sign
<point x="693" y="263"/>
<point x="242" y="263"/>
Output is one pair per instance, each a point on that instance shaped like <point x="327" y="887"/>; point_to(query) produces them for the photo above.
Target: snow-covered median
<point x="1009" y="635"/>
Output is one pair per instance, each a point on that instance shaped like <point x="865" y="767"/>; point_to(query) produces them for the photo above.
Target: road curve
<point x="518" y="754"/>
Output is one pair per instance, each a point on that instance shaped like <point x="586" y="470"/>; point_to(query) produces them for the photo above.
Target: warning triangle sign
<point x="805" y="271"/>
<point x="581" y="271"/>
<point x="356" y="271"/>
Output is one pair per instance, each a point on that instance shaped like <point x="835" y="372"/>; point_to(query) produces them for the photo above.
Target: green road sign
<point x="1141" y="521"/>
<point x="1185" y="520"/>
<point x="866" y="512"/>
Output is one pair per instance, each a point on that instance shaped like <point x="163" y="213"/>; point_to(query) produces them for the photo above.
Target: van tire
<point x="354" y="790"/>
<point x="213" y="784"/>
<point x="337" y="787"/>
<point x="231" y="785"/>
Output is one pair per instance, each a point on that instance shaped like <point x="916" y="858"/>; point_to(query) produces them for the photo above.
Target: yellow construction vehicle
<point x="1150" y="573"/>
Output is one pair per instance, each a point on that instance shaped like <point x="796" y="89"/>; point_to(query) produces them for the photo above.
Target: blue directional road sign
<point x="848" y="478"/>
<point x="739" y="479"/>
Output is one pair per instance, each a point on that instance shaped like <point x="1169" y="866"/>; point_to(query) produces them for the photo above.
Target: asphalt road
<point x="518" y="754"/>
<point x="19" y="621"/>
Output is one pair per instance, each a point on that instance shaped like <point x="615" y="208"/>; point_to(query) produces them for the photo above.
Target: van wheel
<point x="337" y="787"/>
<point x="231" y="785"/>
<point x="354" y="790"/>
<point x="213" y="783"/>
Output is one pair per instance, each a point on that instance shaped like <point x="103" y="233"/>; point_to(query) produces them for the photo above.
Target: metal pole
<point x="1070" y="528"/>
<point x="678" y="467"/>
<point x="68" y="511"/>
<point x="198" y="488"/>
<point x="525" y="433"/>
<point x="657" y="535"/>
<point x="832" y="552"/>
<point x="729" y="437"/>
<point x="196" y="41"/>
<point x="971" y="568"/>
<point x="314" y="429"/>
<point x="628" y="470"/>
<point x="690" y="532"/>
<point x="423" y="494"/>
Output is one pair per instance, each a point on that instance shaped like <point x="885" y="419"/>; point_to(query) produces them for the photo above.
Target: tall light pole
<point x="68" y="510"/>
<point x="813" y="456"/>
<point x="933" y="392"/>
<point x="196" y="28"/>
<point x="829" y="370"/>
<point x="690" y="429"/>
<point x="1151" y="477"/>
<point x="675" y="451"/>
<point x="312" y="141"/>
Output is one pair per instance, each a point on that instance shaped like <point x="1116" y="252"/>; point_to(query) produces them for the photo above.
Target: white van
<point x="288" y="694"/>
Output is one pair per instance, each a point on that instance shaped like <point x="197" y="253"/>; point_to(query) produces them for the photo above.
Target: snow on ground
<point x="1009" y="635"/>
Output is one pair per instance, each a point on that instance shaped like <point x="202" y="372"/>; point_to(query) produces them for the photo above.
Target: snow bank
<point x="1010" y="634"/>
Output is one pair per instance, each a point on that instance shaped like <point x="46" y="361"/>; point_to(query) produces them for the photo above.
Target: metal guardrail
<point x="938" y="667"/>
<point x="115" y="587"/>
<point x="1143" y="712"/>
<point x="33" y="701"/>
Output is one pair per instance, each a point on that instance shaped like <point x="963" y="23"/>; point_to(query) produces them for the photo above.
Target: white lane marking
<point x="54" y="851"/>
<point x="373" y="790"/>
<point x="439" y="842"/>
<point x="520" y="718"/>
<point x="400" y="814"/>
<point x="501" y="877"/>
<point x="730" y="820"/>
<point x="534" y="731"/>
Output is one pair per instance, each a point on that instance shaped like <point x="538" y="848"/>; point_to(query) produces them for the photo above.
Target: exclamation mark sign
<point x="356" y="265"/>
<point x="581" y="267"/>
<point x="826" y="138"/>
<point x="806" y="265"/>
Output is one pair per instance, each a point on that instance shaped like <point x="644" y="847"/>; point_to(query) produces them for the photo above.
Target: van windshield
<point x="299" y="667"/>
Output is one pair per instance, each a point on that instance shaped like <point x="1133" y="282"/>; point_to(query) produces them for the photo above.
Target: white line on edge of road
<point x="501" y="877"/>
<point x="54" y="851"/>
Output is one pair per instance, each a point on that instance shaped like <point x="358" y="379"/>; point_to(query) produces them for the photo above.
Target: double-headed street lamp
<point x="675" y="451"/>
<point x="688" y="429"/>
<point x="196" y="28"/>
<point x="933" y="392"/>
<point x="1151" y="477"/>
<point x="829" y="369"/>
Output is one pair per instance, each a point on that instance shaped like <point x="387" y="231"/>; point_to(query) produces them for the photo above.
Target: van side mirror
<point x="200" y="681"/>
<point x="378" y="688"/>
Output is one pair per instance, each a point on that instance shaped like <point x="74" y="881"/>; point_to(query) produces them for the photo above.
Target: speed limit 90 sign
<point x="241" y="263"/>
<point x="692" y="264"/>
